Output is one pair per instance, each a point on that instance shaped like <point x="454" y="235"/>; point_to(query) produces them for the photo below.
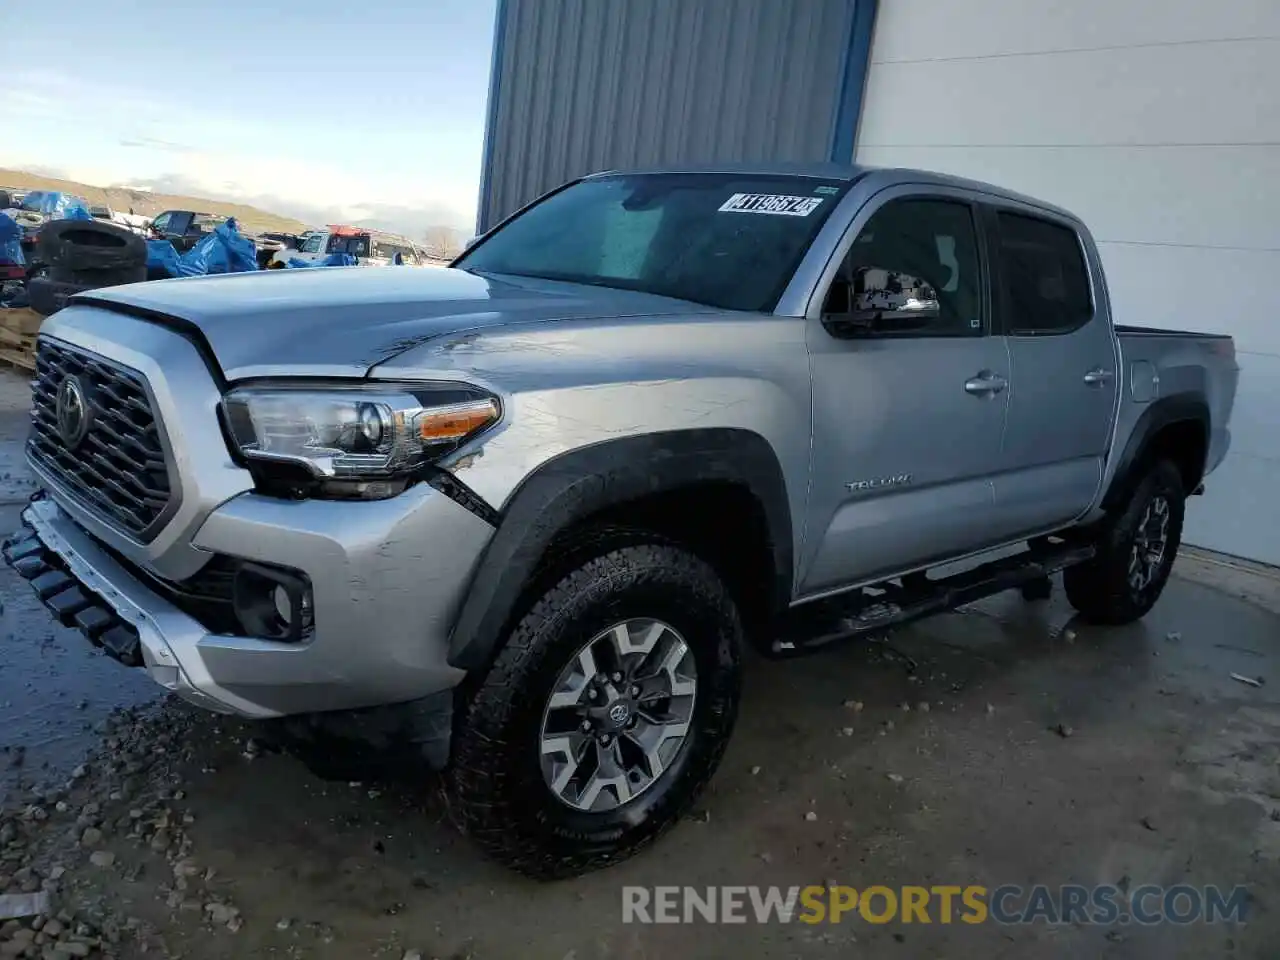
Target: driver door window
<point x="917" y="260"/>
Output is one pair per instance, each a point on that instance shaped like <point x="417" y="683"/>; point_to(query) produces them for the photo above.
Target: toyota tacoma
<point x="518" y="518"/>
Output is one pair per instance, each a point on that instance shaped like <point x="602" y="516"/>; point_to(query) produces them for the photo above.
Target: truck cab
<point x="184" y="228"/>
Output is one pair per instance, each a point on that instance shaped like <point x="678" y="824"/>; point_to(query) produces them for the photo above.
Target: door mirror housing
<point x="878" y="301"/>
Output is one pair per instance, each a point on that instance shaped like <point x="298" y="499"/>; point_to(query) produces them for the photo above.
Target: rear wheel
<point x="603" y="716"/>
<point x="1135" y="555"/>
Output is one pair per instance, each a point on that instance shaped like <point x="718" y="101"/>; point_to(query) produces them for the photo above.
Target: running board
<point x="872" y="610"/>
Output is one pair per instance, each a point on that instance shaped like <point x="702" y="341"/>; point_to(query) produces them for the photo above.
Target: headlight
<point x="353" y="441"/>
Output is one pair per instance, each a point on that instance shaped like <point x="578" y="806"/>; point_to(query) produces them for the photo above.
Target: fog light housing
<point x="273" y="603"/>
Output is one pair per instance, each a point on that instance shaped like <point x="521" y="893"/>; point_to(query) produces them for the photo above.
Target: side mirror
<point x="877" y="300"/>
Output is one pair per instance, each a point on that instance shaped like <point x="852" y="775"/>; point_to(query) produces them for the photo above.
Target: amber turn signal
<point x="440" y="424"/>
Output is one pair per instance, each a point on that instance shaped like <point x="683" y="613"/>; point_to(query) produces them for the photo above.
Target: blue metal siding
<point x="491" y="110"/>
<point x="844" y="134"/>
<point x="586" y="85"/>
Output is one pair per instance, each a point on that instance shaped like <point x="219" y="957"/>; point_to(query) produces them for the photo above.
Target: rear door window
<point x="1044" y="282"/>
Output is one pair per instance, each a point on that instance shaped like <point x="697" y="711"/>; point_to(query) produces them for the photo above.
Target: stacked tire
<point x="84" y="255"/>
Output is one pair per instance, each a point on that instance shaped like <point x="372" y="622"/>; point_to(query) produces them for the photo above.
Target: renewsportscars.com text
<point x="972" y="904"/>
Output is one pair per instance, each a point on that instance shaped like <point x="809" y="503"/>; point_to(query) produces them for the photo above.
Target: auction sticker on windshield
<point x="776" y="204"/>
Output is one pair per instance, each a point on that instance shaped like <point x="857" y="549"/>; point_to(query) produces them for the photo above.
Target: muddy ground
<point x="1049" y="752"/>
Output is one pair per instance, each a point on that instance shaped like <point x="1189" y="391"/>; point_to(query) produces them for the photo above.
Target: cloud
<point x="97" y="133"/>
<point x="408" y="218"/>
<point x="154" y="143"/>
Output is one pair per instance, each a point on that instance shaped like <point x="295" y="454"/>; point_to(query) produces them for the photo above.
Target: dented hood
<point x="343" y="321"/>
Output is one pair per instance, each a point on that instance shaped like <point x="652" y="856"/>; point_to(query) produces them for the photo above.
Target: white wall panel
<point x="1158" y="122"/>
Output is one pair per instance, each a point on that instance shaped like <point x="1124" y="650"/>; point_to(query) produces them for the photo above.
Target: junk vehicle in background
<point x="138" y="224"/>
<point x="38" y="208"/>
<point x="184" y="228"/>
<point x="222" y="250"/>
<point x="13" y="262"/>
<point x="518" y="518"/>
<point x="271" y="242"/>
<point x="371" y="248"/>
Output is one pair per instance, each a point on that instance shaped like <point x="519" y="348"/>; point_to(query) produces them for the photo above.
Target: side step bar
<point x="871" y="610"/>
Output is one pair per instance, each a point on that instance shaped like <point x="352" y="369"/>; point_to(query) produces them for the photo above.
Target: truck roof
<point x="848" y="172"/>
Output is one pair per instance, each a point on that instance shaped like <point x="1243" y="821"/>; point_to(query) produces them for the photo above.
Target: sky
<point x="324" y="110"/>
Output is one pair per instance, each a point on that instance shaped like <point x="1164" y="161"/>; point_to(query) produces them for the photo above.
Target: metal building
<point x="1157" y="121"/>
<point x="586" y="85"/>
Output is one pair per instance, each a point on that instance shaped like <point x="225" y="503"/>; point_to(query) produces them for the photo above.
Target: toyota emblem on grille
<point x="72" y="411"/>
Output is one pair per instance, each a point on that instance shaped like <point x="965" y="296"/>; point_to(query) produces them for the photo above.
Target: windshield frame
<point x="841" y="187"/>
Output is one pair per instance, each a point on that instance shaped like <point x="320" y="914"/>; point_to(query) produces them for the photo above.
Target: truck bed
<point x="1128" y="331"/>
<point x="1159" y="364"/>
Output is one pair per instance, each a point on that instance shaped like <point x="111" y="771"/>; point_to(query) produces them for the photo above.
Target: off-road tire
<point x="100" y="278"/>
<point x="1100" y="589"/>
<point x="47" y="296"/>
<point x="75" y="246"/>
<point x="504" y="803"/>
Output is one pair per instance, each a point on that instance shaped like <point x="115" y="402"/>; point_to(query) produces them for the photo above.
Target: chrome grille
<point x="118" y="468"/>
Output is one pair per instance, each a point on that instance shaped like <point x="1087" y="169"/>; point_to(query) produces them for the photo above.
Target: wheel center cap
<point x="619" y="714"/>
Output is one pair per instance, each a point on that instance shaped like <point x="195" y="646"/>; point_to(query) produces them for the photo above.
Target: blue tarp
<point x="162" y="255"/>
<point x="225" y="250"/>
<point x="76" y="210"/>
<point x="332" y="260"/>
<point x="56" y="205"/>
<point x="10" y="240"/>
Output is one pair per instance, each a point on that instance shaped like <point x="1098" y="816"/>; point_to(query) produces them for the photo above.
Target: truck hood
<point x="343" y="321"/>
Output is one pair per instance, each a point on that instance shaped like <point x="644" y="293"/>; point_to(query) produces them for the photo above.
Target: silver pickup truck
<point x="518" y="518"/>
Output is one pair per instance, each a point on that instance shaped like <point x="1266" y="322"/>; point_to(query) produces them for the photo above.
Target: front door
<point x="1063" y="370"/>
<point x="907" y="422"/>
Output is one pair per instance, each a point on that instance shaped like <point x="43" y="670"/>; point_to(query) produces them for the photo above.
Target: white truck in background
<point x="371" y="248"/>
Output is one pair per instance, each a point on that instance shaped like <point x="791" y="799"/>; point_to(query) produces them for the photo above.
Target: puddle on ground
<point x="55" y="688"/>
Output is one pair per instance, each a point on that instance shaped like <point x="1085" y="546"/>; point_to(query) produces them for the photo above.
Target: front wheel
<point x="603" y="716"/>
<point x="1135" y="554"/>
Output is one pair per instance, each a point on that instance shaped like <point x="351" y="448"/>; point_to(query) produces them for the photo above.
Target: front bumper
<point x="387" y="578"/>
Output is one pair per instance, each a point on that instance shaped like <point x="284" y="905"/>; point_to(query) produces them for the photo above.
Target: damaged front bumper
<point x="84" y="587"/>
<point x="87" y="588"/>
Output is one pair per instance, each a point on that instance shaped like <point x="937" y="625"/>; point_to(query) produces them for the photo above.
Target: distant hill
<point x="148" y="204"/>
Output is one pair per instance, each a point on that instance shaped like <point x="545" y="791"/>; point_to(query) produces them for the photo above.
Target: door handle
<point x="1097" y="376"/>
<point x="985" y="384"/>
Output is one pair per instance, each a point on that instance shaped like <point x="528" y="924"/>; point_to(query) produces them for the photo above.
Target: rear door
<point x="1064" y="368"/>
<point x="907" y="424"/>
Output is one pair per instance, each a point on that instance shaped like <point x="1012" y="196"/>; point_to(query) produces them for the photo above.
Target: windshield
<point x="726" y="240"/>
<point x="312" y="244"/>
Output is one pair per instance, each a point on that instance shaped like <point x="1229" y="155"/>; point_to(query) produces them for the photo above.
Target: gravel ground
<point x="1023" y="748"/>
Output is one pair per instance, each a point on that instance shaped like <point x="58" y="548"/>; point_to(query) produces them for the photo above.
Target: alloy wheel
<point x="618" y="715"/>
<point x="1150" y="543"/>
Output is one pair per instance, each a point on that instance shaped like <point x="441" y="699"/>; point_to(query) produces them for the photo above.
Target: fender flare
<point x="582" y="482"/>
<point x="1180" y="408"/>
